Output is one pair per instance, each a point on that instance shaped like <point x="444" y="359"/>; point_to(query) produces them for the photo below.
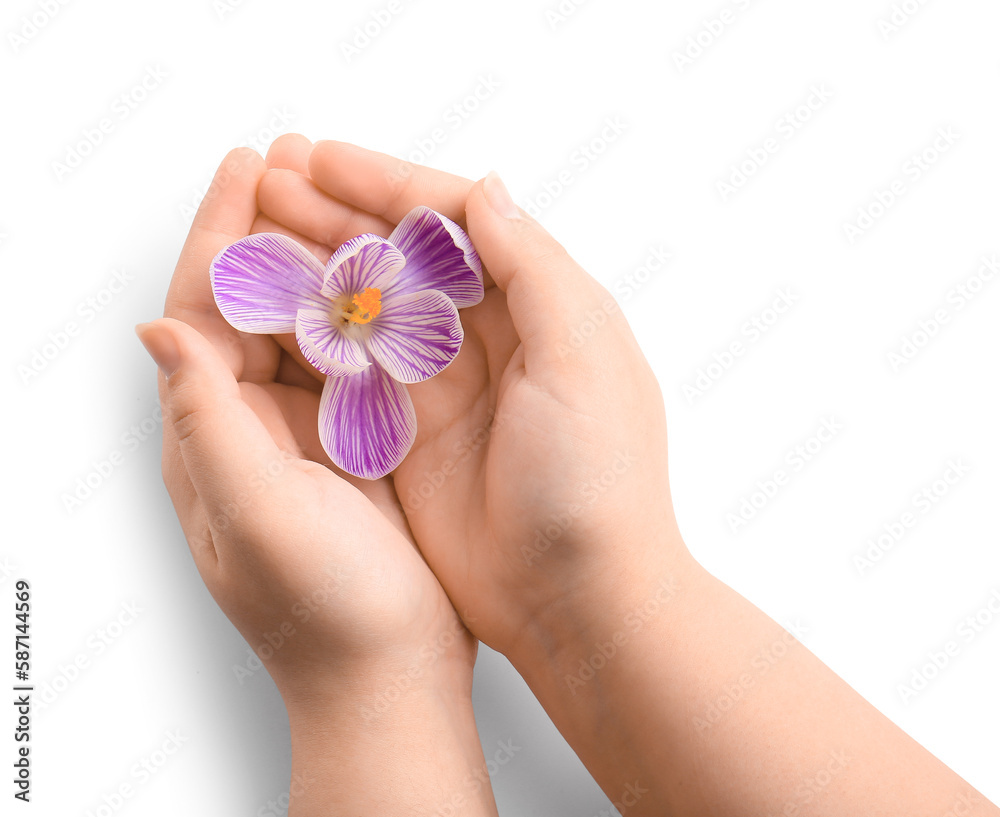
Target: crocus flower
<point x="381" y="314"/>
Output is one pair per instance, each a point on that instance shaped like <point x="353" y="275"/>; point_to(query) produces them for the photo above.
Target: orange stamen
<point x="367" y="305"/>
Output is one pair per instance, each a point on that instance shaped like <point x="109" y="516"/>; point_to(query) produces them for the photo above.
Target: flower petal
<point x="262" y="281"/>
<point x="415" y="336"/>
<point x="366" y="261"/>
<point x="439" y="255"/>
<point x="326" y="347"/>
<point x="366" y="422"/>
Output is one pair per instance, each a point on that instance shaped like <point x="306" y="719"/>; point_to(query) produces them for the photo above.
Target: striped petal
<point x="366" y="261"/>
<point x="366" y="422"/>
<point x="415" y="336"/>
<point x="262" y="281"/>
<point x="439" y="255"/>
<point x="326" y="347"/>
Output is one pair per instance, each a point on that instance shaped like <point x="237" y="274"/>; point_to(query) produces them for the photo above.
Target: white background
<point x="240" y="72"/>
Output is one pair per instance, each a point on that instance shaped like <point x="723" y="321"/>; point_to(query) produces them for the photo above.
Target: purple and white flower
<point x="381" y="314"/>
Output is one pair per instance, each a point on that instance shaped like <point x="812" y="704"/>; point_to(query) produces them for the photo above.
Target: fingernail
<point x="161" y="347"/>
<point x="498" y="197"/>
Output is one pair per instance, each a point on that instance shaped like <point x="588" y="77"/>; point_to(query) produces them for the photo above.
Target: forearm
<point x="388" y="746"/>
<point x="690" y="700"/>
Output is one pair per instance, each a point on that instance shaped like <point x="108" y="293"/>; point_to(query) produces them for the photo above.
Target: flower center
<point x="361" y="309"/>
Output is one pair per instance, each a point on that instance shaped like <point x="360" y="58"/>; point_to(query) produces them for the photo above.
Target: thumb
<point x="225" y="447"/>
<point x="549" y="295"/>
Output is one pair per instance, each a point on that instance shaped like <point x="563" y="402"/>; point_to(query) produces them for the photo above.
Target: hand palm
<point x="384" y="589"/>
<point x="476" y="497"/>
<point x="477" y="486"/>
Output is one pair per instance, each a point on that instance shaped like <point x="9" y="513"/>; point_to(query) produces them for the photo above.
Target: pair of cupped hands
<point x="535" y="494"/>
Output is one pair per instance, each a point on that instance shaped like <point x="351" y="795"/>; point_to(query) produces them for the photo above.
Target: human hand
<point x="529" y="427"/>
<point x="317" y="569"/>
<point x="294" y="552"/>
<point x="537" y="484"/>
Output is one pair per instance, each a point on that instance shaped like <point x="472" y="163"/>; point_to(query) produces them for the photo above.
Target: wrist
<point x="605" y="608"/>
<point x="594" y="670"/>
<point x="373" y="689"/>
<point x="389" y="742"/>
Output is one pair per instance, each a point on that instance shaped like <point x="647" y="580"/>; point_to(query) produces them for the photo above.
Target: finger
<point x="223" y="443"/>
<point x="548" y="294"/>
<point x="188" y="506"/>
<point x="293" y="200"/>
<point x="353" y="181"/>
<point x="290" y="151"/>
<point x="290" y="408"/>
<point x="291" y="373"/>
<point x="383" y="185"/>
<point x="290" y="346"/>
<point x="225" y="215"/>
<point x="488" y="328"/>
<point x="266" y="224"/>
